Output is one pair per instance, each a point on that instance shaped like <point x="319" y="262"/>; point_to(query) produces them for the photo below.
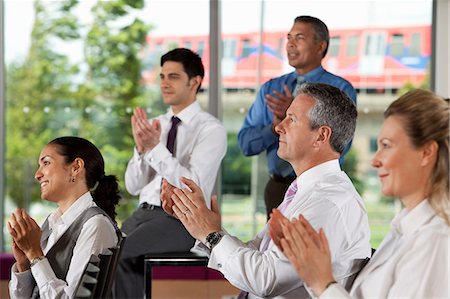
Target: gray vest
<point x="60" y="255"/>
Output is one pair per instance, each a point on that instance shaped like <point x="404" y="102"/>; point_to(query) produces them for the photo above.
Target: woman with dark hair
<point x="50" y="260"/>
<point x="412" y="162"/>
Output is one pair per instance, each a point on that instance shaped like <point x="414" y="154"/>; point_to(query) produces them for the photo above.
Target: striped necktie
<point x="288" y="197"/>
<point x="300" y="81"/>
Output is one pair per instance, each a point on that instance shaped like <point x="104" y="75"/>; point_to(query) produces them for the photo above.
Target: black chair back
<point x="111" y="274"/>
<point x="98" y="277"/>
<point x="88" y="281"/>
<point x="104" y="265"/>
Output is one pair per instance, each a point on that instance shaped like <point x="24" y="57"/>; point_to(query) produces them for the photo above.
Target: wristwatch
<point x="36" y="260"/>
<point x="213" y="239"/>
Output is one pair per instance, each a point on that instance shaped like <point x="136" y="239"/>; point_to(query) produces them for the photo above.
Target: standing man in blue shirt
<point x="307" y="45"/>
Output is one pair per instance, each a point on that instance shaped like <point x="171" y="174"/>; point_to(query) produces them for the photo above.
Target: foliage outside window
<point x="48" y="95"/>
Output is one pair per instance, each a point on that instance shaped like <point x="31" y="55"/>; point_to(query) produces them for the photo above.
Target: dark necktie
<point x="172" y="134"/>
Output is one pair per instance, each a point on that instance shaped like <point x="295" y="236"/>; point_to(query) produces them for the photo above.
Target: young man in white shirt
<point x="318" y="125"/>
<point x="193" y="146"/>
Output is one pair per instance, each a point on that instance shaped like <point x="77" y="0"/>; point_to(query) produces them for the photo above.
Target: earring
<point x="72" y="179"/>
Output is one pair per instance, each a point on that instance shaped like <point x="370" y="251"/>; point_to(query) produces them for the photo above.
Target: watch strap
<point x="36" y="260"/>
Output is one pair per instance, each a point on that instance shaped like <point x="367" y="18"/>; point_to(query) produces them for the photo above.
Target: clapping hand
<point x="278" y="103"/>
<point x="309" y="253"/>
<point x="166" y="197"/>
<point x="190" y="207"/>
<point x="276" y="223"/>
<point x="146" y="135"/>
<point x="26" y="235"/>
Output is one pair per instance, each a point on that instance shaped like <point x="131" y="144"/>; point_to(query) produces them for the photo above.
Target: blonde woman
<point x="412" y="162"/>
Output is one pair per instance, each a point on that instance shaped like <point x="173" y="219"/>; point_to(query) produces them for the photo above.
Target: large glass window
<point x="80" y="69"/>
<point x="75" y="70"/>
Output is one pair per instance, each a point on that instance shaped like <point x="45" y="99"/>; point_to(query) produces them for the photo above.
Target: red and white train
<point x="372" y="59"/>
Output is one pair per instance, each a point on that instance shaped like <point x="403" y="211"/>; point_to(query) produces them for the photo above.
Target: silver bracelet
<point x="36" y="260"/>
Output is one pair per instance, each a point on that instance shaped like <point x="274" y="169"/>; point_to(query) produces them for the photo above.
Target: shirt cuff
<point x="334" y="291"/>
<point x="20" y="279"/>
<point x="42" y="273"/>
<point x="158" y="154"/>
<point x="136" y="155"/>
<point x="221" y="252"/>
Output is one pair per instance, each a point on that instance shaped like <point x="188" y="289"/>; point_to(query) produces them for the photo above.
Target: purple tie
<point x="288" y="197"/>
<point x="172" y="134"/>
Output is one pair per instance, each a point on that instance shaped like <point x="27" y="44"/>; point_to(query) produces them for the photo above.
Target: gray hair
<point x="333" y="108"/>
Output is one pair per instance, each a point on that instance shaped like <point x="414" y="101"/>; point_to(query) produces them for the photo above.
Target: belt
<point x="280" y="179"/>
<point x="147" y="206"/>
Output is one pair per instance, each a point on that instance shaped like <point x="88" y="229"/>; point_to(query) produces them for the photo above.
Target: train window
<point x="229" y="48"/>
<point x="352" y="46"/>
<point x="414" y="49"/>
<point x="246" y="48"/>
<point x="333" y="49"/>
<point x="397" y="45"/>
<point x="201" y="48"/>
<point x="374" y="44"/>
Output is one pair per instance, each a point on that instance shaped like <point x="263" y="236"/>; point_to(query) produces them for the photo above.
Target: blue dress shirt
<point x="256" y="133"/>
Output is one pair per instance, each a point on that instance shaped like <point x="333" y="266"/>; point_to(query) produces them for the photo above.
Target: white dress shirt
<point x="96" y="235"/>
<point x="201" y="144"/>
<point x="411" y="262"/>
<point x="327" y="198"/>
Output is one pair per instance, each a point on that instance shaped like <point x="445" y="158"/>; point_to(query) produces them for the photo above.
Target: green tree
<point x="112" y="48"/>
<point x="349" y="166"/>
<point x="236" y="169"/>
<point x="44" y="77"/>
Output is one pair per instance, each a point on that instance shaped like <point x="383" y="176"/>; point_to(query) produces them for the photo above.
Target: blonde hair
<point x="426" y="118"/>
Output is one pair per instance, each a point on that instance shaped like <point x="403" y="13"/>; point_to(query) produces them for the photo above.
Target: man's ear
<point x="322" y="45"/>
<point x="324" y="134"/>
<point x="196" y="81"/>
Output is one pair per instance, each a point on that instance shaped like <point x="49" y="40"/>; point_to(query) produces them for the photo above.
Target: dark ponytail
<point x="107" y="195"/>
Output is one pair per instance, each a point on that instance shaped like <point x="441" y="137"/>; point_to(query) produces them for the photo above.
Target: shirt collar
<point x="317" y="172"/>
<point x="311" y="76"/>
<point x="407" y="222"/>
<point x="83" y="202"/>
<point x="314" y="75"/>
<point x="188" y="113"/>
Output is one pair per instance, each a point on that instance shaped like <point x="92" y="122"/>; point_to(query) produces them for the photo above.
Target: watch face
<point x="213" y="238"/>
